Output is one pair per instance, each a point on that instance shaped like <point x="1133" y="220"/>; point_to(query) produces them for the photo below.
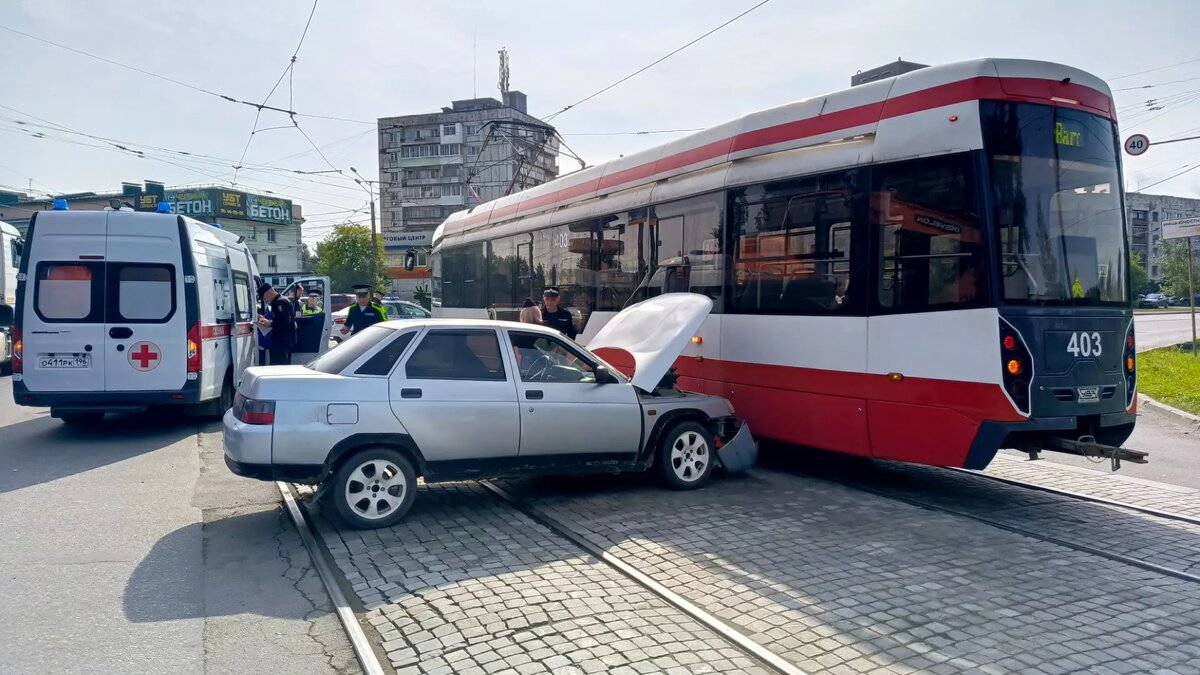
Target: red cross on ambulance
<point x="144" y="356"/>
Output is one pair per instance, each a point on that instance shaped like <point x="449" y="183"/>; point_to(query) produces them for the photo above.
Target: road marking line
<point x="367" y="660"/>
<point x="723" y="629"/>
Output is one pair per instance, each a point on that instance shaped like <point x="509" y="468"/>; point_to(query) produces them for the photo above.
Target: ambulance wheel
<point x="6" y="368"/>
<point x="225" y="400"/>
<point x="686" y="456"/>
<point x="373" y="488"/>
<point x="82" y="419"/>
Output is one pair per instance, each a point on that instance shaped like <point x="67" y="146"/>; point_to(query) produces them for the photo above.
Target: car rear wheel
<point x="685" y="458"/>
<point x="373" y="488"/>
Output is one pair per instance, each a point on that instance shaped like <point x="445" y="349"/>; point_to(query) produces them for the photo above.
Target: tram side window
<point x="792" y="245"/>
<point x="927" y="229"/>
<point x="464" y="276"/>
<point x="561" y="257"/>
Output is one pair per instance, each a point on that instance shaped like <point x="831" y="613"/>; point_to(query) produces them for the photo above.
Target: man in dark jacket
<point x="283" y="325"/>
<point x="554" y="316"/>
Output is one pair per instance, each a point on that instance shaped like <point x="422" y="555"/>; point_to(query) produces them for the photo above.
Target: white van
<point x="10" y="258"/>
<point x="119" y="310"/>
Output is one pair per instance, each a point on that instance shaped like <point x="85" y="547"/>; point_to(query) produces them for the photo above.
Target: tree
<point x="1138" y="279"/>
<point x="308" y="259"/>
<point x="344" y="256"/>
<point x="1175" y="268"/>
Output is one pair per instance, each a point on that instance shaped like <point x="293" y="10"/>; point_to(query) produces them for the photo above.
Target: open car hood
<point x="654" y="332"/>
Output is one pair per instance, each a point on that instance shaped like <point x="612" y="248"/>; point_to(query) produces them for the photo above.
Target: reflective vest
<point x="309" y="310"/>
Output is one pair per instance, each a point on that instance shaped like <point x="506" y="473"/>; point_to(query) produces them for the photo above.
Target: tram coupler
<point x="1086" y="446"/>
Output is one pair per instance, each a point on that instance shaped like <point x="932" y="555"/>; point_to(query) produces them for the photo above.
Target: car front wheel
<point x="374" y="488"/>
<point x="685" y="458"/>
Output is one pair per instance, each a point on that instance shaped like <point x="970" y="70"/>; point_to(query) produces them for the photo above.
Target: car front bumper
<point x="739" y="453"/>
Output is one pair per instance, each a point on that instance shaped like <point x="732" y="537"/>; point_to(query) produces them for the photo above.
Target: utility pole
<point x="1191" y="294"/>
<point x="374" y="245"/>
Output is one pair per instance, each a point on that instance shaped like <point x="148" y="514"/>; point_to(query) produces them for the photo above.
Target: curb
<point x="1185" y="418"/>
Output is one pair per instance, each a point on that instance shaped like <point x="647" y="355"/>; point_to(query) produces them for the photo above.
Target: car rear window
<point x="335" y="360"/>
<point x="70" y="292"/>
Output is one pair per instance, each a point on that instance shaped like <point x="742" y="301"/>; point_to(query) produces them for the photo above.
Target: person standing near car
<point x="554" y="316"/>
<point x="364" y="313"/>
<point x="312" y="305"/>
<point x="282" y="323"/>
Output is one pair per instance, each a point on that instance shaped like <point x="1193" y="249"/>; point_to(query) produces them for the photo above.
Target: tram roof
<point x="818" y="120"/>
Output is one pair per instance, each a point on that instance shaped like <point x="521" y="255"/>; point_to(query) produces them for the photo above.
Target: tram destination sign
<point x="1181" y="229"/>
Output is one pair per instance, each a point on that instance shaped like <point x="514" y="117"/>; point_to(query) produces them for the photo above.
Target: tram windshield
<point x="1057" y="210"/>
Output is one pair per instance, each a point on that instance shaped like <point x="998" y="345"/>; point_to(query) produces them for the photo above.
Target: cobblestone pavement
<point x="1161" y="541"/>
<point x="1151" y="494"/>
<point x="842" y="581"/>
<point x="467" y="584"/>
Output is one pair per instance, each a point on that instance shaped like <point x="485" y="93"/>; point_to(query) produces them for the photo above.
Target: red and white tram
<point x="926" y="268"/>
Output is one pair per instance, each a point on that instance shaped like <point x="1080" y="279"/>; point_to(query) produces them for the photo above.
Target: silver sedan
<point x="461" y="399"/>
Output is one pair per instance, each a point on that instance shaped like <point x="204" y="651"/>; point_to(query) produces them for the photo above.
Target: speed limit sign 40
<point x="1137" y="144"/>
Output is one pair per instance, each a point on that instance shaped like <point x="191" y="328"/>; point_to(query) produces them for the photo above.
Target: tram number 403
<point x="1084" y="344"/>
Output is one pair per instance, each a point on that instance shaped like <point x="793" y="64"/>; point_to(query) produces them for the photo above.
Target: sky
<point x="361" y="60"/>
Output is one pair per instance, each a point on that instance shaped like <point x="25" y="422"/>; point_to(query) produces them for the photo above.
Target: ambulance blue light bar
<point x="163" y="207"/>
<point x="60" y="204"/>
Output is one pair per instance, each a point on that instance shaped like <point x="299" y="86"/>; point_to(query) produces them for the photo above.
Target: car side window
<point x="542" y="358"/>
<point x="383" y="360"/>
<point x="456" y="355"/>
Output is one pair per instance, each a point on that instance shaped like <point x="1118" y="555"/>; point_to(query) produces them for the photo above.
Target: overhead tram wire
<point x="1153" y="70"/>
<point x="202" y="90"/>
<point x="634" y="133"/>
<point x="132" y="148"/>
<point x="654" y="63"/>
<point x="1169" y="178"/>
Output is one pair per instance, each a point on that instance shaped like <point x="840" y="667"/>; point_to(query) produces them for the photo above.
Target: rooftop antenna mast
<point x="503" y="70"/>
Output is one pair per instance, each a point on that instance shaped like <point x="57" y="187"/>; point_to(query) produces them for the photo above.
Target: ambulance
<point x="119" y="311"/>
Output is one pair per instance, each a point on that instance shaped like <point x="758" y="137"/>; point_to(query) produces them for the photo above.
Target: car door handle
<point x="120" y="332"/>
<point x="410" y="393"/>
<point x="534" y="394"/>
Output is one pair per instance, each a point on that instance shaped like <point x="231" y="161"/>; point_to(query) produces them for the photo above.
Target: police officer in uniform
<point x="313" y="305"/>
<point x="364" y="313"/>
<point x="554" y="316"/>
<point x="282" y="324"/>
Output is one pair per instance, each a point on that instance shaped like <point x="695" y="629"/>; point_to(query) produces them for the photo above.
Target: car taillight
<point x="18" y="355"/>
<point x="194" y="351"/>
<point x="340" y="320"/>
<point x="251" y="411"/>
<point x="1016" y="364"/>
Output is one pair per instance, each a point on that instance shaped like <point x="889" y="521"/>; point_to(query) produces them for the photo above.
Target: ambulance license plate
<point x="64" y="360"/>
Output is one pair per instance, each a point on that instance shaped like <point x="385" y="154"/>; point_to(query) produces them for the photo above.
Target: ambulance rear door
<point x="150" y="295"/>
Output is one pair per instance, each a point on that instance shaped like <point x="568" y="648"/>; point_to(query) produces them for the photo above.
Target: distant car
<point x="1178" y="301"/>
<point x="400" y="309"/>
<point x="1154" y="300"/>
<point x="457" y="399"/>
<point x="339" y="300"/>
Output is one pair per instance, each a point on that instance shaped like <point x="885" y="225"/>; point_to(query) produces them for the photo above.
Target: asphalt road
<point x="1162" y="330"/>
<point x="130" y="548"/>
<point x="1174" y="452"/>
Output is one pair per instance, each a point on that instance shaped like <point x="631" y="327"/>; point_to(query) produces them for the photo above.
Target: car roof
<point x="472" y="323"/>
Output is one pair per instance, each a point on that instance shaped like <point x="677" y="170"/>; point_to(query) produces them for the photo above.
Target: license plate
<point x="1089" y="394"/>
<point x="64" y="360"/>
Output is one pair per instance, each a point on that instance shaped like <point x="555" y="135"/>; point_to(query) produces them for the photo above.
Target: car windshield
<point x="335" y="360"/>
<point x="1056" y="205"/>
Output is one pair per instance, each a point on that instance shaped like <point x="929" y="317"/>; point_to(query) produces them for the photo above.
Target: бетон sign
<point x="213" y="202"/>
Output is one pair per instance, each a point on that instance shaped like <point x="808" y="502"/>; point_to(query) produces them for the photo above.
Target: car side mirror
<point x="604" y="377"/>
